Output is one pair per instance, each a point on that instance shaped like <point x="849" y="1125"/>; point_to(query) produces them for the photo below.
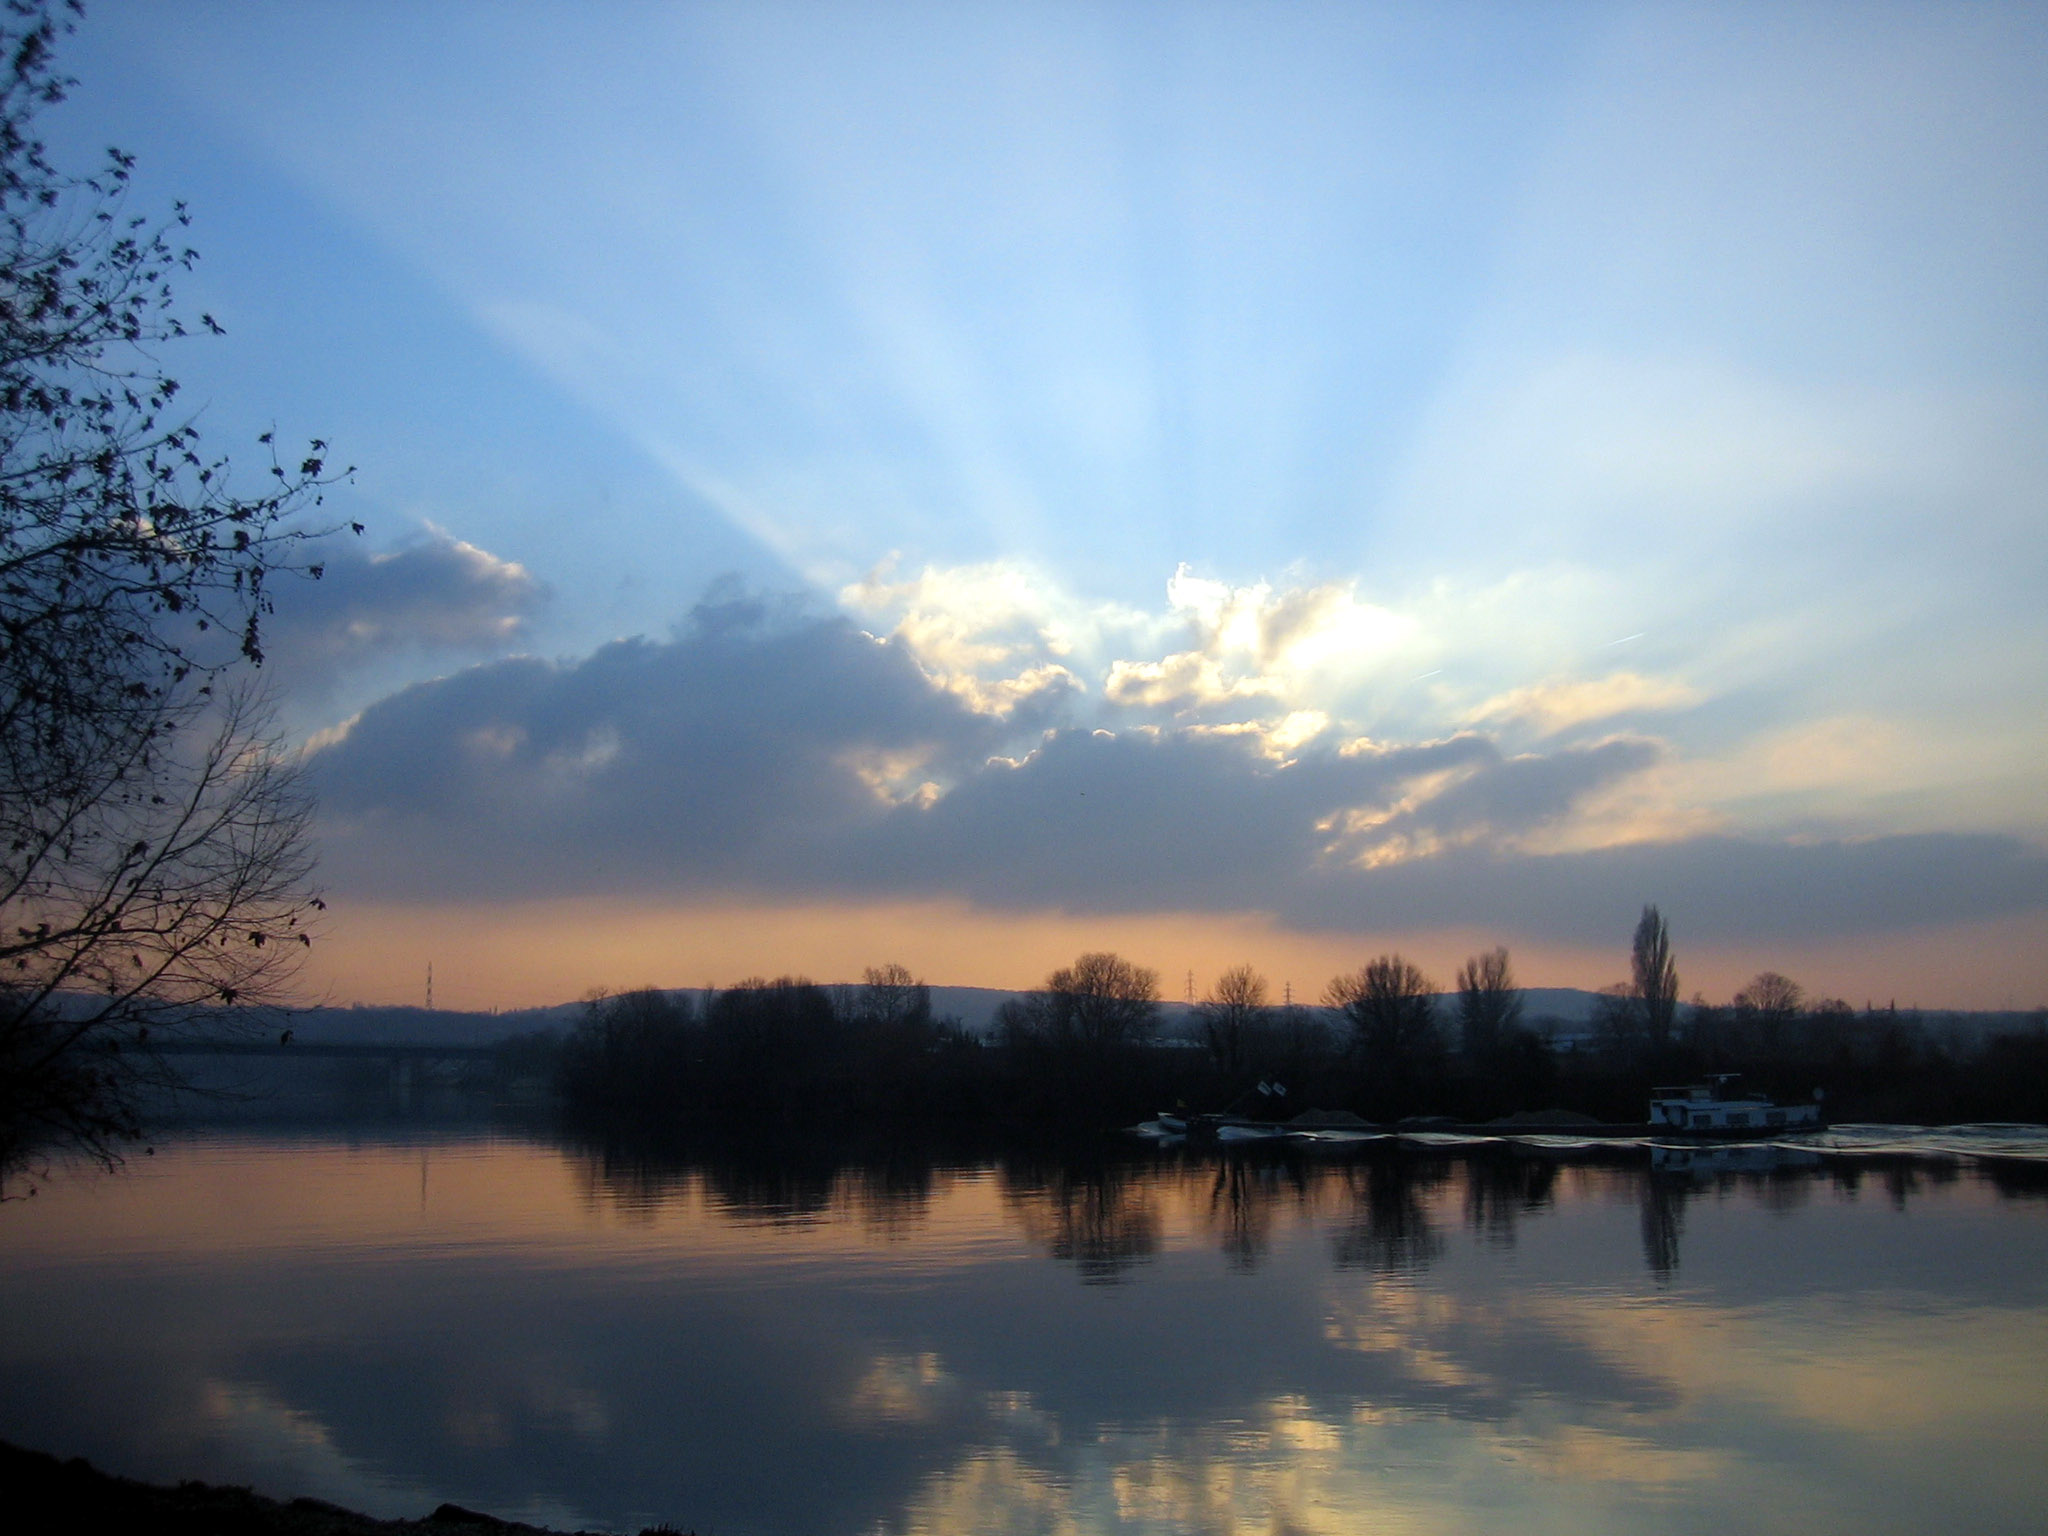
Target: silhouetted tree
<point x="1830" y="1029"/>
<point x="1507" y="1068"/>
<point x="1392" y="1012"/>
<point x="1489" y="1004"/>
<point x="153" y="853"/>
<point x="771" y="1047"/>
<point x="891" y="1004"/>
<point x="1096" y="1005"/>
<point x="1706" y="1027"/>
<point x="633" y="1054"/>
<point x="1769" y="992"/>
<point x="1233" y="1017"/>
<point x="1072" y="1048"/>
<point x="1654" y="978"/>
<point x="1767" y="1008"/>
<point x="1618" y="1027"/>
<point x="1299" y="1046"/>
<point x="900" y="1061"/>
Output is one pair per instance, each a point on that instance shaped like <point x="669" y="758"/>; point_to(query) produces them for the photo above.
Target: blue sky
<point x="1444" y="472"/>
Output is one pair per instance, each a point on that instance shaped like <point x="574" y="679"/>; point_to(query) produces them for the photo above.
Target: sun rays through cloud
<point x="1428" y="452"/>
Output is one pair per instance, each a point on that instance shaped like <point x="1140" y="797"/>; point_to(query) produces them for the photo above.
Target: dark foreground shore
<point x="40" y="1494"/>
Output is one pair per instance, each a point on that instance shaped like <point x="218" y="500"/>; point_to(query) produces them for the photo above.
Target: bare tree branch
<point x="154" y="860"/>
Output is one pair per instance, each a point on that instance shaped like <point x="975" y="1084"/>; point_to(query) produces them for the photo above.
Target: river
<point x="1849" y="1334"/>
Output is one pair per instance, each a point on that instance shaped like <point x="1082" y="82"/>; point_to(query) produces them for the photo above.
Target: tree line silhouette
<point x="1087" y="1051"/>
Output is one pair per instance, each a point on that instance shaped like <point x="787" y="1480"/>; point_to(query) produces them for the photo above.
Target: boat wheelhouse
<point x="1713" y="1108"/>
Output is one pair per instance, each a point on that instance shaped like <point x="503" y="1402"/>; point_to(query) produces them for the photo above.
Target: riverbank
<point x="46" y="1497"/>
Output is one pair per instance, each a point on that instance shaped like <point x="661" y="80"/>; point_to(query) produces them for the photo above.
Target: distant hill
<point x="975" y="1007"/>
<point x="368" y="1024"/>
<point x="386" y="1025"/>
<point x="1574" y="1005"/>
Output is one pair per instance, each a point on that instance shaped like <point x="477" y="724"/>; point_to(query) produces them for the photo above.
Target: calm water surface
<point x="1397" y="1339"/>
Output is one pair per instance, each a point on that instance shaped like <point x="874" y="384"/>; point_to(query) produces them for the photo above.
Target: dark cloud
<point x="732" y="753"/>
<point x="1508" y="797"/>
<point x="438" y="594"/>
<point x="780" y="753"/>
<point x="1717" y="888"/>
<point x="1144" y="820"/>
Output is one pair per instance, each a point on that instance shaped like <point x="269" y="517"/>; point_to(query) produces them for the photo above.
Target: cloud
<point x="1217" y="651"/>
<point x="994" y="633"/>
<point x="1551" y="707"/>
<point x="1502" y="804"/>
<point x="776" y="752"/>
<point x="1255" y="642"/>
<point x="1713" y="888"/>
<point x="1161" y="820"/>
<point x="439" y="594"/>
<point x="720" y="754"/>
<point x="1182" y="680"/>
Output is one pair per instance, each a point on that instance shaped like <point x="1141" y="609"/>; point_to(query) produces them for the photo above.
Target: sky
<point x="963" y="484"/>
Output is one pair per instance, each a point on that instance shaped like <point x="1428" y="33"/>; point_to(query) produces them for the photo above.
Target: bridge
<point x="331" y="1050"/>
<point x="405" y="1068"/>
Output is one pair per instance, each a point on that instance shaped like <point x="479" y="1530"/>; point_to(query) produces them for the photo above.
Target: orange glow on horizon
<point x="530" y="954"/>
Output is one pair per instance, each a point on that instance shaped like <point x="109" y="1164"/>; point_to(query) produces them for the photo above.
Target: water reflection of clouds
<point x="1719" y="1443"/>
<point x="523" y="1393"/>
<point x="295" y="1444"/>
<point x="902" y="1389"/>
<point x="1293" y="1465"/>
<point x="1388" y="1344"/>
<point x="1397" y="1323"/>
<point x="1898" y="1367"/>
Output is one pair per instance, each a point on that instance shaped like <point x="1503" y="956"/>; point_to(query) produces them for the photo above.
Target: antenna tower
<point x="1191" y="985"/>
<point x="430" y="986"/>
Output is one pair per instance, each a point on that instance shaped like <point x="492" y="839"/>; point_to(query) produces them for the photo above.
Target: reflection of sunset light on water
<point x="1298" y="1467"/>
<point x="1414" y="1344"/>
<point x="1294" y="1468"/>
